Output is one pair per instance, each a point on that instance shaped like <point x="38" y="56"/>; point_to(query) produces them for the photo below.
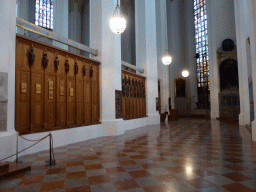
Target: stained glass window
<point x="44" y="13"/>
<point x="201" y="36"/>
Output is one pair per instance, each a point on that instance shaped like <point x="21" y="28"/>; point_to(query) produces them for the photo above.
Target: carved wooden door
<point x="61" y="92"/>
<point x="79" y="94"/>
<point x="37" y="92"/>
<point x="49" y="94"/>
<point x="22" y="89"/>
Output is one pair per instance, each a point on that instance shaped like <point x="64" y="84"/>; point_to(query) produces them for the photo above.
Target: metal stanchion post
<point x="17" y="149"/>
<point x="50" y="150"/>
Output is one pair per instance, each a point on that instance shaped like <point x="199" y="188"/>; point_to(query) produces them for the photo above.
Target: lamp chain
<point x="166" y="38"/>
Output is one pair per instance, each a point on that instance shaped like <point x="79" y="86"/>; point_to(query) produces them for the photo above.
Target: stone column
<point x="109" y="46"/>
<point x="252" y="27"/>
<point x="162" y="43"/>
<point x="7" y="68"/>
<point x="190" y="52"/>
<point x="175" y="37"/>
<point x="242" y="33"/>
<point x="221" y="25"/>
<point x="146" y="53"/>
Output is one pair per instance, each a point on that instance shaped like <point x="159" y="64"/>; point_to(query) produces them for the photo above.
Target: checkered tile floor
<point x="187" y="155"/>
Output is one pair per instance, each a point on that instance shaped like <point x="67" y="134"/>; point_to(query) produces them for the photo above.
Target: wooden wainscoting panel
<point x="22" y="99"/>
<point x="87" y="103"/>
<point x="71" y="101"/>
<point x="55" y="89"/>
<point x="134" y="100"/>
<point x="61" y="91"/>
<point x="95" y="102"/>
<point x="79" y="101"/>
<point x="37" y="102"/>
<point x="61" y="120"/>
<point x="49" y="99"/>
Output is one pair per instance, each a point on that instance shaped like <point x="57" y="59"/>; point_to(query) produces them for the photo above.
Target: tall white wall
<point x="221" y="26"/>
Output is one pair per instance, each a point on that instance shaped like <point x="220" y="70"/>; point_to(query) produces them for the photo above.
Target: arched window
<point x="44" y="13"/>
<point x="201" y="36"/>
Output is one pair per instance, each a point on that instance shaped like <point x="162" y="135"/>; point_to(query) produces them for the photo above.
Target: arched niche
<point x="228" y="71"/>
<point x="223" y="57"/>
<point x="229" y="106"/>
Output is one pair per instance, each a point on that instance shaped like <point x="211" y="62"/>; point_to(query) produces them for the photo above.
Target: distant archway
<point x="228" y="74"/>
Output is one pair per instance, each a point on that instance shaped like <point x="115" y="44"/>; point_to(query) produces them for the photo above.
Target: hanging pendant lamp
<point x="117" y="21"/>
<point x="185" y="73"/>
<point x="166" y="59"/>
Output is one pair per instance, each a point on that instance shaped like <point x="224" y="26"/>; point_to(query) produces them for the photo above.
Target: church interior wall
<point x="149" y="47"/>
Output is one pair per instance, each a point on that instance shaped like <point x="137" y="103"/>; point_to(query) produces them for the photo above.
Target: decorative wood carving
<point x="91" y="71"/>
<point x="31" y="56"/>
<point x="66" y="66"/>
<point x="131" y="87"/>
<point x="133" y="101"/>
<point x="126" y="86"/>
<point x="118" y="104"/>
<point x="76" y="68"/>
<point x="138" y="88"/>
<point x="84" y="70"/>
<point x="135" y="88"/>
<point x="56" y="62"/>
<point x="123" y="86"/>
<point x="45" y="60"/>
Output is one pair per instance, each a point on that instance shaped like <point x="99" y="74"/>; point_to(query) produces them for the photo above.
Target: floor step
<point x="15" y="169"/>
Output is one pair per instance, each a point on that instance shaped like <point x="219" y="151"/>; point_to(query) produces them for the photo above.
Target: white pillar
<point x="221" y="26"/>
<point x="175" y="37"/>
<point x="252" y="27"/>
<point x="162" y="43"/>
<point x="146" y="53"/>
<point x="190" y="52"/>
<point x="60" y="21"/>
<point x="109" y="46"/>
<point x="242" y="33"/>
<point x="7" y="66"/>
